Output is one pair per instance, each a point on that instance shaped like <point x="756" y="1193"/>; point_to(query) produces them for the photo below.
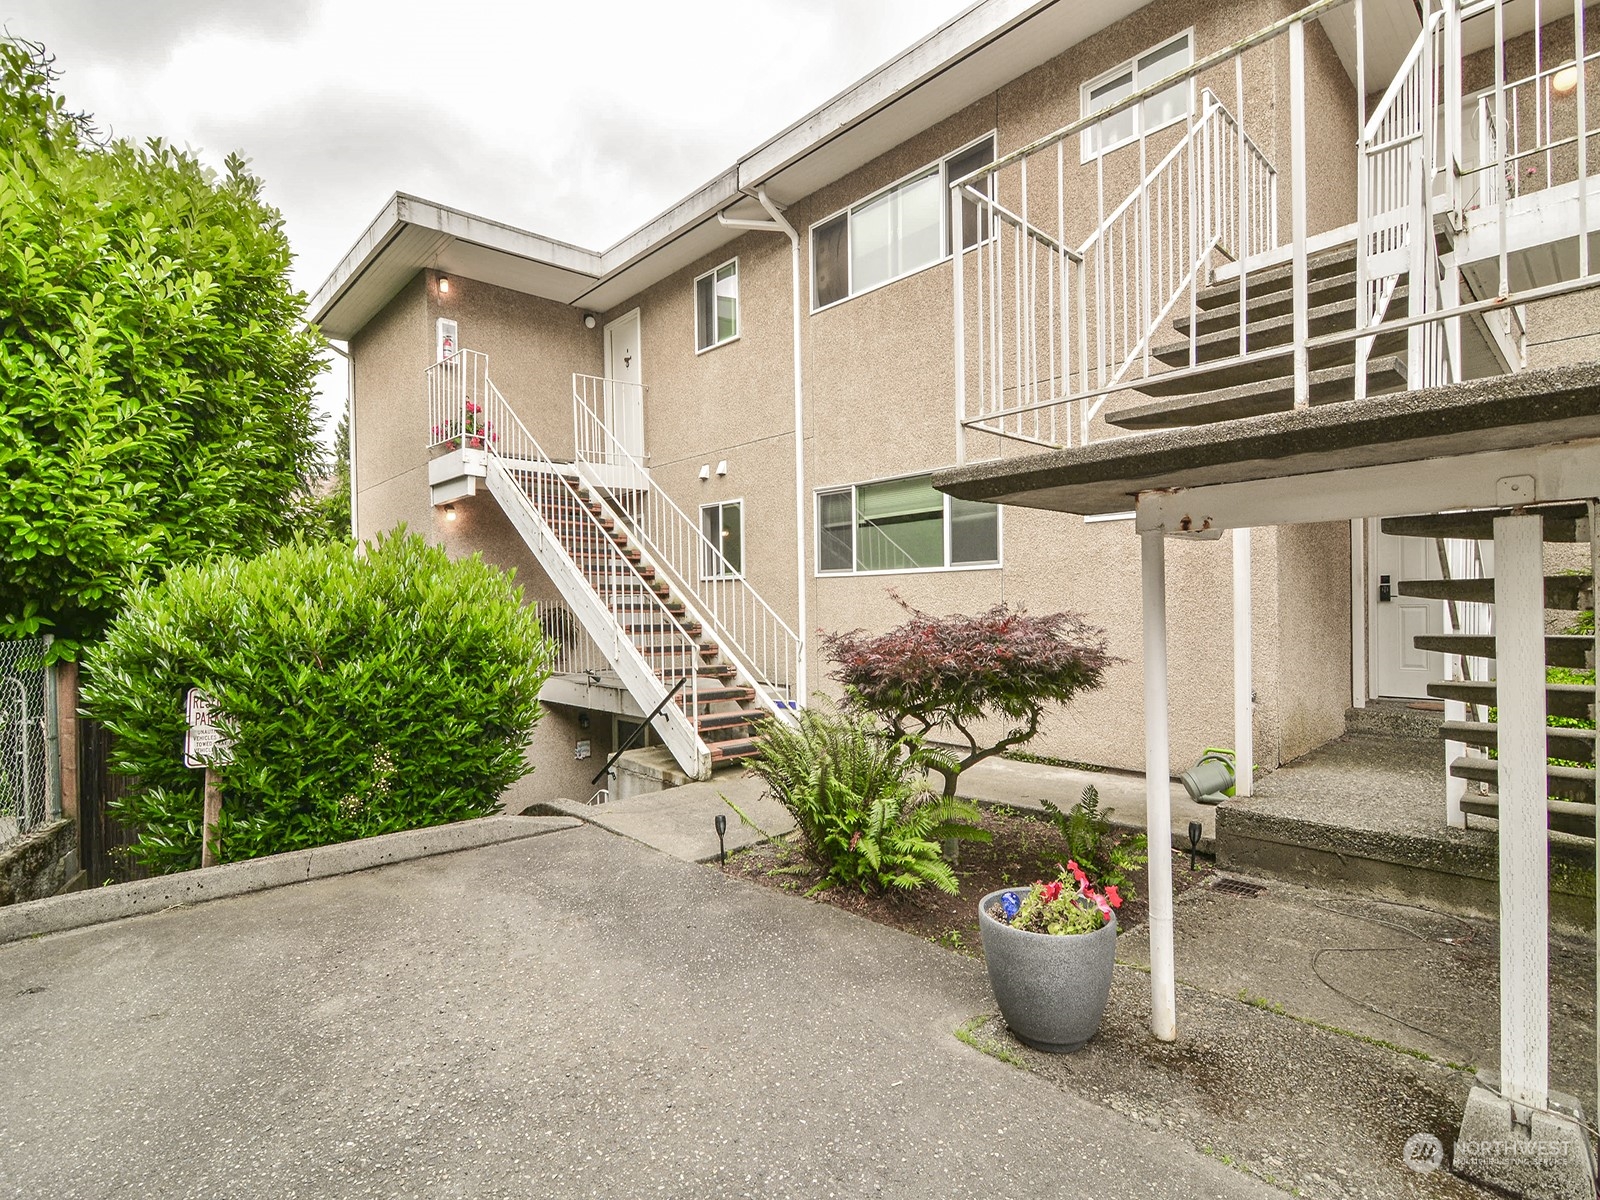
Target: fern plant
<point x="862" y="802"/>
<point x="1105" y="859"/>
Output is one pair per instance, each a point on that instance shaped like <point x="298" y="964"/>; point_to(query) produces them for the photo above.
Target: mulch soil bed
<point x="1025" y="848"/>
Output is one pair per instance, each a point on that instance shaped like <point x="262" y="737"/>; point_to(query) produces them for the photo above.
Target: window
<point x="903" y="525"/>
<point x="895" y="233"/>
<point x="1136" y="74"/>
<point x="722" y="554"/>
<point x="716" y="306"/>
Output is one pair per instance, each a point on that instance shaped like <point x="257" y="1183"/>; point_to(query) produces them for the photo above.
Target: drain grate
<point x="1238" y="887"/>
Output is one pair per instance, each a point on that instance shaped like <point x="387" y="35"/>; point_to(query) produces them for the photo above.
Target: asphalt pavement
<point x="571" y="1014"/>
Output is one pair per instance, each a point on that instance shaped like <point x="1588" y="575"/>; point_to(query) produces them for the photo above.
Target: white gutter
<point x="779" y="225"/>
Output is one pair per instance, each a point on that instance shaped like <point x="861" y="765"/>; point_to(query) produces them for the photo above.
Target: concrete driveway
<point x="568" y="1015"/>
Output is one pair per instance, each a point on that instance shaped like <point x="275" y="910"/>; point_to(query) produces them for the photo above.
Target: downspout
<point x="350" y="420"/>
<point x="779" y="225"/>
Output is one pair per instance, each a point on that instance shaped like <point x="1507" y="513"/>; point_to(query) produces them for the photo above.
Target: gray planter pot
<point x="1051" y="988"/>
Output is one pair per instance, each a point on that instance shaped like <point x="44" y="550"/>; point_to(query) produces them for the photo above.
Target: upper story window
<point x="1135" y="75"/>
<point x="895" y="232"/>
<point x="716" y="306"/>
<point x="903" y="525"/>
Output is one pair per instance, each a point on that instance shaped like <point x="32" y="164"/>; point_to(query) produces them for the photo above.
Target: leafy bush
<point x="156" y="373"/>
<point x="863" y="803"/>
<point x="1105" y="859"/>
<point x="951" y="673"/>
<point x="369" y="694"/>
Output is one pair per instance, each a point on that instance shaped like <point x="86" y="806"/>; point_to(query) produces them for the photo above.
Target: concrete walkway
<point x="566" y="1015"/>
<point x="681" y="821"/>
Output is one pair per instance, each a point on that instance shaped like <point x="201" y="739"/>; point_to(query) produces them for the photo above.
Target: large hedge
<point x="388" y="691"/>
<point x="156" y="374"/>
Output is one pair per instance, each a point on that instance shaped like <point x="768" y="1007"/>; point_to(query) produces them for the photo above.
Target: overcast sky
<point x="578" y="120"/>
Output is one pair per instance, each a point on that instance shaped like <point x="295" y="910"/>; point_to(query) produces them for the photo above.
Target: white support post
<point x="1297" y="202"/>
<point x="1358" y="611"/>
<point x="1524" y="849"/>
<point x="1244" y="736"/>
<point x="1158" y="788"/>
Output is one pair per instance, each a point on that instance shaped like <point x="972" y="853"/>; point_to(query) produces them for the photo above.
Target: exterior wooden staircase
<point x="723" y="713"/>
<point x="1570" y="776"/>
<point x="671" y="642"/>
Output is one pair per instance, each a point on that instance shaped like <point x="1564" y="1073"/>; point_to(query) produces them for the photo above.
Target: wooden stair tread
<point x="1569" y="592"/>
<point x="1560" y="649"/>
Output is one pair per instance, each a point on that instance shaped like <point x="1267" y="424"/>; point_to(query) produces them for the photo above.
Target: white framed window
<point x="896" y="232"/>
<point x="722" y="553"/>
<point x="1156" y="112"/>
<point x="903" y="525"/>
<point x="716" y="306"/>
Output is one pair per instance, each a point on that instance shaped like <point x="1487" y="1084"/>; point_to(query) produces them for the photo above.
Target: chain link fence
<point x="30" y="793"/>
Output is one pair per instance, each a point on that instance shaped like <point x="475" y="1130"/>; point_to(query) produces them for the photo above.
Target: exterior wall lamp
<point x="449" y="512"/>
<point x="444" y="286"/>
<point x="589" y="321"/>
<point x="1565" y="81"/>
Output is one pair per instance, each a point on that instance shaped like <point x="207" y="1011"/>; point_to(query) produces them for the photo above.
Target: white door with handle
<point x="624" y="391"/>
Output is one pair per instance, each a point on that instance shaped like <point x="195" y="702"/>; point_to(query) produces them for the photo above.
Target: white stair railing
<point x="1050" y="326"/>
<point x="766" y="651"/>
<point x="639" y="634"/>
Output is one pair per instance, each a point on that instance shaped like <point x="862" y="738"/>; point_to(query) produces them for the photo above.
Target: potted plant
<point x="1050" y="949"/>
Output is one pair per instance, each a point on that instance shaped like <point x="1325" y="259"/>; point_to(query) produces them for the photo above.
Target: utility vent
<point x="1238" y="887"/>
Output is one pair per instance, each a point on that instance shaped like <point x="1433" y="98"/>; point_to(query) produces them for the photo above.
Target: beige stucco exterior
<point x="879" y="378"/>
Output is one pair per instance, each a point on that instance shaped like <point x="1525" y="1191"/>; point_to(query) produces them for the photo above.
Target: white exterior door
<point x="624" y="398"/>
<point x="1403" y="671"/>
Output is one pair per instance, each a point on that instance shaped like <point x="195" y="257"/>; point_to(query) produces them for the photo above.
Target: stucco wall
<point x="879" y="383"/>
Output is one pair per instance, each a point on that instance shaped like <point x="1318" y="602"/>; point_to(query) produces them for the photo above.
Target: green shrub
<point x="863" y="802"/>
<point x="369" y="694"/>
<point x="1106" y="860"/>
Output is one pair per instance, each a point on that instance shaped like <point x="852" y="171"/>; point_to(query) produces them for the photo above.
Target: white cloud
<point x="579" y="121"/>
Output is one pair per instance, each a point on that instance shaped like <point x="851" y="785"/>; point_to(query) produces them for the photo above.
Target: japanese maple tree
<point x="961" y="673"/>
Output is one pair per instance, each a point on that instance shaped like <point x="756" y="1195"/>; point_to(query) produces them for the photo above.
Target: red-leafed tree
<point x="959" y="672"/>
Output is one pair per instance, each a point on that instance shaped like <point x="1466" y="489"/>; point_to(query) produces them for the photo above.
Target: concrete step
<point x="692" y="628"/>
<point x="1265" y="305"/>
<point x="1328" y="264"/>
<point x="1561" y="699"/>
<point x="1562" y="523"/>
<point x="1412" y="719"/>
<point x="1564" y="816"/>
<point x="1256" y="370"/>
<point x="1560" y="649"/>
<point x="1575" y="745"/>
<point x="1567" y="592"/>
<point x="1573" y="784"/>
<point x="1328" y="386"/>
<point x="1264" y="335"/>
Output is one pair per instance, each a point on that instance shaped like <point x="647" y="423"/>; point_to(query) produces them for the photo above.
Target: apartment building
<point x="684" y="343"/>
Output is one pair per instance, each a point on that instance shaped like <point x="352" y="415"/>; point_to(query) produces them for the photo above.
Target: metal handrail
<point x="638" y="732"/>
<point x="607" y="586"/>
<point x="759" y="643"/>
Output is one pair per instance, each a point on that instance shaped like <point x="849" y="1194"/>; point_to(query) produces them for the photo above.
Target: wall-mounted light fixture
<point x="589" y="321"/>
<point x="449" y="512"/>
<point x="722" y="467"/>
<point x="444" y="286"/>
<point x="1565" y="81"/>
<point x="705" y="472"/>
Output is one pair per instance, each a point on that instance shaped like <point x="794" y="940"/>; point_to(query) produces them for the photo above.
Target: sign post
<point x="208" y="744"/>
